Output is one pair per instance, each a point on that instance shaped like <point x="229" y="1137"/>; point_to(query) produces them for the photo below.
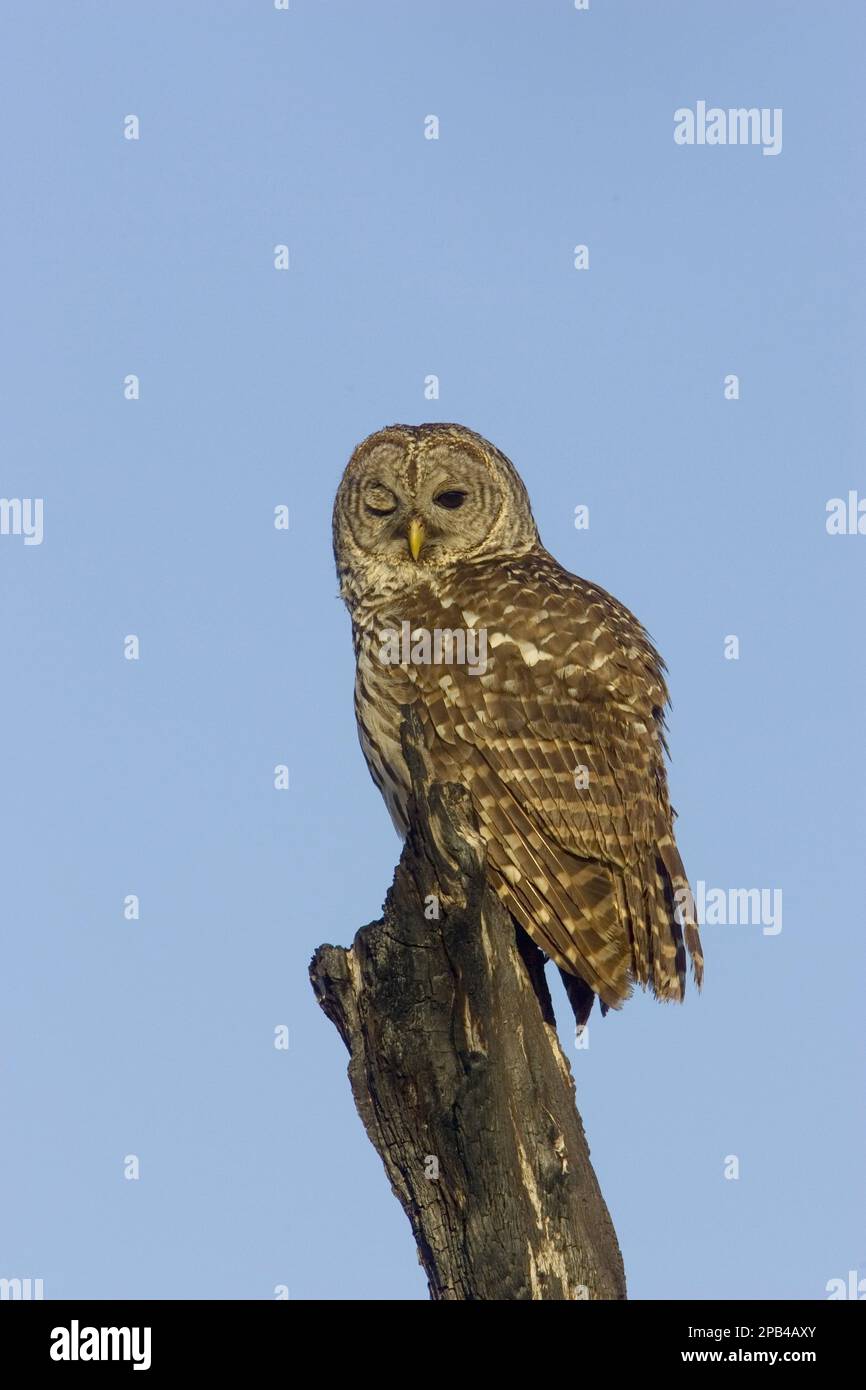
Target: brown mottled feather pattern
<point x="571" y="680"/>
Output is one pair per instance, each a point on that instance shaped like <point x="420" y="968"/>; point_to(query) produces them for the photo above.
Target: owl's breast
<point x="379" y="693"/>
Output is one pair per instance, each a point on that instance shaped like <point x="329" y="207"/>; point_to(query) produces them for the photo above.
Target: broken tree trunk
<point x="458" y="1075"/>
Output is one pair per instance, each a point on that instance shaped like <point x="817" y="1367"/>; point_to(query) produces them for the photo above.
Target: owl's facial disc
<point x="417" y="499"/>
<point x="430" y="506"/>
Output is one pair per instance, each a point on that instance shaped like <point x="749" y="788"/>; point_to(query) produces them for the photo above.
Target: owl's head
<point x="415" y="499"/>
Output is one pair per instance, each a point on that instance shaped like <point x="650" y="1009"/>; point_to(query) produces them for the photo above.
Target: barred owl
<point x="536" y="690"/>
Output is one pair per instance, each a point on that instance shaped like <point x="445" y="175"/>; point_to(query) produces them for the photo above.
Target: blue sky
<point x="411" y="257"/>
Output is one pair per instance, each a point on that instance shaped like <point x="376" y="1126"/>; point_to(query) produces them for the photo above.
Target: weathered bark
<point x="458" y="1075"/>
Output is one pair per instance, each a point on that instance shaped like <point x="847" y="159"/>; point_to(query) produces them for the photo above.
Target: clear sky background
<point x="412" y="257"/>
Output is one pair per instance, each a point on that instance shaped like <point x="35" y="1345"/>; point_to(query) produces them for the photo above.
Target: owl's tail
<point x="664" y="926"/>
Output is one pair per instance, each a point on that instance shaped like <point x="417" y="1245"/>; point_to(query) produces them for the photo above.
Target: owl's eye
<point x="450" y="500"/>
<point x="380" y="501"/>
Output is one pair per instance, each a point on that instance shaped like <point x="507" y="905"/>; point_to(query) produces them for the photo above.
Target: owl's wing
<point x="559" y="736"/>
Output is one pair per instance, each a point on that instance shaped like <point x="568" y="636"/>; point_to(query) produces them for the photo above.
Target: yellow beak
<point x="415" y="536"/>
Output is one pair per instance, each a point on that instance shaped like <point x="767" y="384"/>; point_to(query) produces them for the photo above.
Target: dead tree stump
<point x="459" y="1077"/>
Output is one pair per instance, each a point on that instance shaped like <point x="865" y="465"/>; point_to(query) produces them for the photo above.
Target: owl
<point x="535" y="689"/>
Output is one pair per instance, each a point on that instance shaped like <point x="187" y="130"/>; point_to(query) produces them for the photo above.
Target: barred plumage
<point x="558" y="734"/>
